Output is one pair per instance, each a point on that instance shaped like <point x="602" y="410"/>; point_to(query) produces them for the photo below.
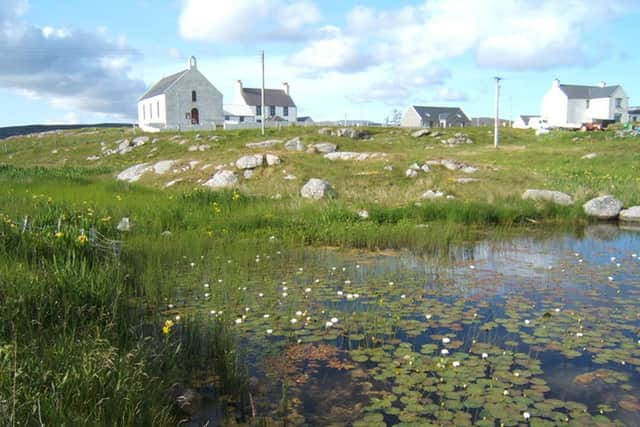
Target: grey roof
<point x="440" y="113"/>
<point x="588" y="92"/>
<point x="526" y="118"/>
<point x="162" y="86"/>
<point x="304" y="119"/>
<point x="275" y="97"/>
<point x="634" y="110"/>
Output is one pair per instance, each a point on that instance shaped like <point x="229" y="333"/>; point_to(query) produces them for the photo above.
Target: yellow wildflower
<point x="167" y="327"/>
<point x="82" y="239"/>
<point x="59" y="234"/>
<point x="235" y="196"/>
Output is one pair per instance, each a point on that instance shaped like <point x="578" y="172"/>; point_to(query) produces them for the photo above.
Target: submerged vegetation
<point x="232" y="307"/>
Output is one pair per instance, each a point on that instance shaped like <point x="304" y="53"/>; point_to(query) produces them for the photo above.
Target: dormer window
<point x="194" y="96"/>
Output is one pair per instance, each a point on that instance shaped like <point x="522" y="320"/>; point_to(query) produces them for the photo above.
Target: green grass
<point x="81" y="338"/>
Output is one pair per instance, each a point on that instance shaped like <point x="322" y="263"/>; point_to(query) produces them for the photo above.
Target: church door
<point x="195" y="117"/>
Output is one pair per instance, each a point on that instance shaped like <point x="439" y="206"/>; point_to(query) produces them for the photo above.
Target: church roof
<point x="164" y="84"/>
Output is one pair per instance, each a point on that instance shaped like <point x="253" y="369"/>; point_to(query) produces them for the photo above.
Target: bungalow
<point x="434" y="117"/>
<point x="247" y="105"/>
<point x="528" y="122"/>
<point x="573" y="105"/>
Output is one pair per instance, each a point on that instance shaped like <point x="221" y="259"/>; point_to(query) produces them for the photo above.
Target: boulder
<point x="222" y="179"/>
<point x="317" y="189"/>
<point x="420" y="133"/>
<point x="431" y="194"/>
<point x="589" y="156"/>
<point x="325" y="131"/>
<point x="425" y="168"/>
<point x="325" y="147"/>
<point x="364" y="214"/>
<point x="352" y="133"/>
<point x="272" y="159"/>
<point x="264" y="144"/>
<point x="469" y="169"/>
<point x="415" y="167"/>
<point x="388" y="168"/>
<point x="163" y="166"/>
<point x="251" y="161"/>
<point x="556" y="197"/>
<point x="630" y="215"/>
<point x="124" y="225"/>
<point x="457" y="139"/>
<point x="202" y="147"/>
<point x="248" y="173"/>
<point x="294" y="144"/>
<point x="134" y="173"/>
<point x="452" y="165"/>
<point x="411" y="173"/>
<point x="139" y="141"/>
<point x="604" y="207"/>
<point x="93" y="158"/>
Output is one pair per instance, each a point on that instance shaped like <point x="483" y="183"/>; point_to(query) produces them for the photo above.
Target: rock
<point x="290" y="177"/>
<point x="431" y="194"/>
<point x="556" y="197"/>
<point x="352" y="133"/>
<point x="140" y="141"/>
<point x="589" y="156"/>
<point x="433" y="162"/>
<point x="466" y="180"/>
<point x="436" y="134"/>
<point x="415" y="167"/>
<point x="388" y="168"/>
<point x="317" y="189"/>
<point x="264" y="144"/>
<point x="163" y="166"/>
<point x="188" y="400"/>
<point x="350" y="155"/>
<point x="222" y="179"/>
<point x="250" y="162"/>
<point x="469" y="169"/>
<point x="134" y="173"/>
<point x="364" y="214"/>
<point x="411" y="173"/>
<point x="172" y="183"/>
<point x="450" y="164"/>
<point x="124" y="225"/>
<point x="325" y="131"/>
<point x="294" y="144"/>
<point x="630" y="215"/>
<point x="93" y="158"/>
<point x="605" y="207"/>
<point x="457" y="139"/>
<point x="420" y="133"/>
<point x="203" y="147"/>
<point x="248" y="174"/>
<point x="425" y="168"/>
<point x="155" y="140"/>
<point x="272" y="160"/>
<point x="325" y="147"/>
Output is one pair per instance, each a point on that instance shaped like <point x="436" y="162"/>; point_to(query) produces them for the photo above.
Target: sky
<point x="78" y="61"/>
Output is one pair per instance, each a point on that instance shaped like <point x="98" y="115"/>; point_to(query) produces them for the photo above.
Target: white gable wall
<point x="411" y="119"/>
<point x="208" y="102"/>
<point x="554" y="107"/>
<point x="152" y="111"/>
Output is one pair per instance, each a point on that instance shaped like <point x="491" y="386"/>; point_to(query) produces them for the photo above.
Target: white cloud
<point x="10" y="9"/>
<point x="447" y="94"/>
<point x="243" y="20"/>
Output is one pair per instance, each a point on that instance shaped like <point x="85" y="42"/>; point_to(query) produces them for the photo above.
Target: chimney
<point x="602" y="84"/>
<point x="556" y="83"/>
<point x="193" y="63"/>
<point x="285" y="86"/>
<point x="239" y="87"/>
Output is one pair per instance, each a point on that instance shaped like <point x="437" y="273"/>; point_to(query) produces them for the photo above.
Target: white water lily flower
<point x="613" y="259"/>
<point x="428" y="316"/>
<point x="339" y="293"/>
<point x="316" y="281"/>
<point x="579" y="334"/>
<point x="455" y="364"/>
<point x="610" y="279"/>
<point x="349" y="296"/>
<point x="347" y="282"/>
<point x="403" y="296"/>
<point x="170" y="306"/>
<point x="294" y="320"/>
<point x="284" y="294"/>
<point x="526" y="415"/>
<point x="557" y="310"/>
<point x="177" y="318"/>
<point x="260" y="294"/>
<point x="391" y="283"/>
<point x="334" y="320"/>
<point x="307" y="290"/>
<point x="446" y="340"/>
<point x="206" y="295"/>
<point x="269" y="331"/>
<point x="247" y="309"/>
<point x="238" y="321"/>
<point x="473" y="267"/>
<point x="298" y="313"/>
<point x="193" y="264"/>
<point x="212" y="312"/>
<point x="517" y="374"/>
<point x="219" y="280"/>
<point x="444" y="351"/>
<point x="284" y="288"/>
<point x="206" y="286"/>
<point x="527" y="321"/>
<point x="485" y="355"/>
<point x="266" y="316"/>
<point x="328" y="324"/>
<point x="505" y="393"/>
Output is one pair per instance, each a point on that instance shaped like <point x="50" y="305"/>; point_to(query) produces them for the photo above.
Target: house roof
<point x="276" y="97"/>
<point x="588" y="92"/>
<point x="526" y="118"/>
<point x="304" y="119"/>
<point x="164" y="84"/>
<point x="440" y="113"/>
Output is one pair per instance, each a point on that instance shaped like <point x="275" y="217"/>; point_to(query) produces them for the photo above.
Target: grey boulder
<point x="317" y="189"/>
<point x="604" y="207"/>
<point x="556" y="197"/>
<point x="251" y="161"/>
<point x="630" y="215"/>
<point x="222" y="179"/>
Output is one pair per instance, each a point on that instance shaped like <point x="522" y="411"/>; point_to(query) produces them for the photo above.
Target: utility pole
<point x="496" y="132"/>
<point x="262" y="103"/>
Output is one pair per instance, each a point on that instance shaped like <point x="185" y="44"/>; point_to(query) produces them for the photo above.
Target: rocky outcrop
<point x="264" y="144"/>
<point x="431" y="194"/>
<point x="350" y="155"/>
<point x="294" y="144"/>
<point x="324" y="147"/>
<point x="272" y="160"/>
<point x="458" y="139"/>
<point x="605" y="207"/>
<point x="251" y="161"/>
<point x="134" y="173"/>
<point x="556" y="197"/>
<point x="420" y="133"/>
<point x="317" y="189"/>
<point x="222" y="179"/>
<point x="163" y="166"/>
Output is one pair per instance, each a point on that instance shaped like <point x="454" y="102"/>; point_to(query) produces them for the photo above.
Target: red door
<point x="195" y="117"/>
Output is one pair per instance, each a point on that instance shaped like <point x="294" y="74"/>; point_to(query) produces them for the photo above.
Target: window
<point x="618" y="102"/>
<point x="588" y="103"/>
<point x="285" y="111"/>
<point x="241" y="119"/>
<point x="150" y="111"/>
<point x="258" y="110"/>
<point x="272" y="110"/>
<point x="144" y="112"/>
<point x="617" y="118"/>
<point x="158" y="109"/>
<point x="194" y="96"/>
<point x="226" y="118"/>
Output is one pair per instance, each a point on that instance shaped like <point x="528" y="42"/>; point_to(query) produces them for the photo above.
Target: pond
<point x="534" y="330"/>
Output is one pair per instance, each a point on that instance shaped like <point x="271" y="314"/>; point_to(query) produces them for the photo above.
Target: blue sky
<point x="78" y="61"/>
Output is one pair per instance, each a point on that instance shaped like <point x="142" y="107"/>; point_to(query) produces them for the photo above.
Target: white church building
<point x="570" y="106"/>
<point x="185" y="100"/>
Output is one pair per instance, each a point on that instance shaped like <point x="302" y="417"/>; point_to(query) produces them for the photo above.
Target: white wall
<point x="208" y="102"/>
<point x="554" y="107"/>
<point x="411" y="119"/>
<point x="150" y="107"/>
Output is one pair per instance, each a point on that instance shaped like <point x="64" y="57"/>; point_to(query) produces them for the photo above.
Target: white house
<point x="181" y="101"/>
<point x="247" y="105"/>
<point x="528" y="122"/>
<point x="434" y="117"/>
<point x="573" y="105"/>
